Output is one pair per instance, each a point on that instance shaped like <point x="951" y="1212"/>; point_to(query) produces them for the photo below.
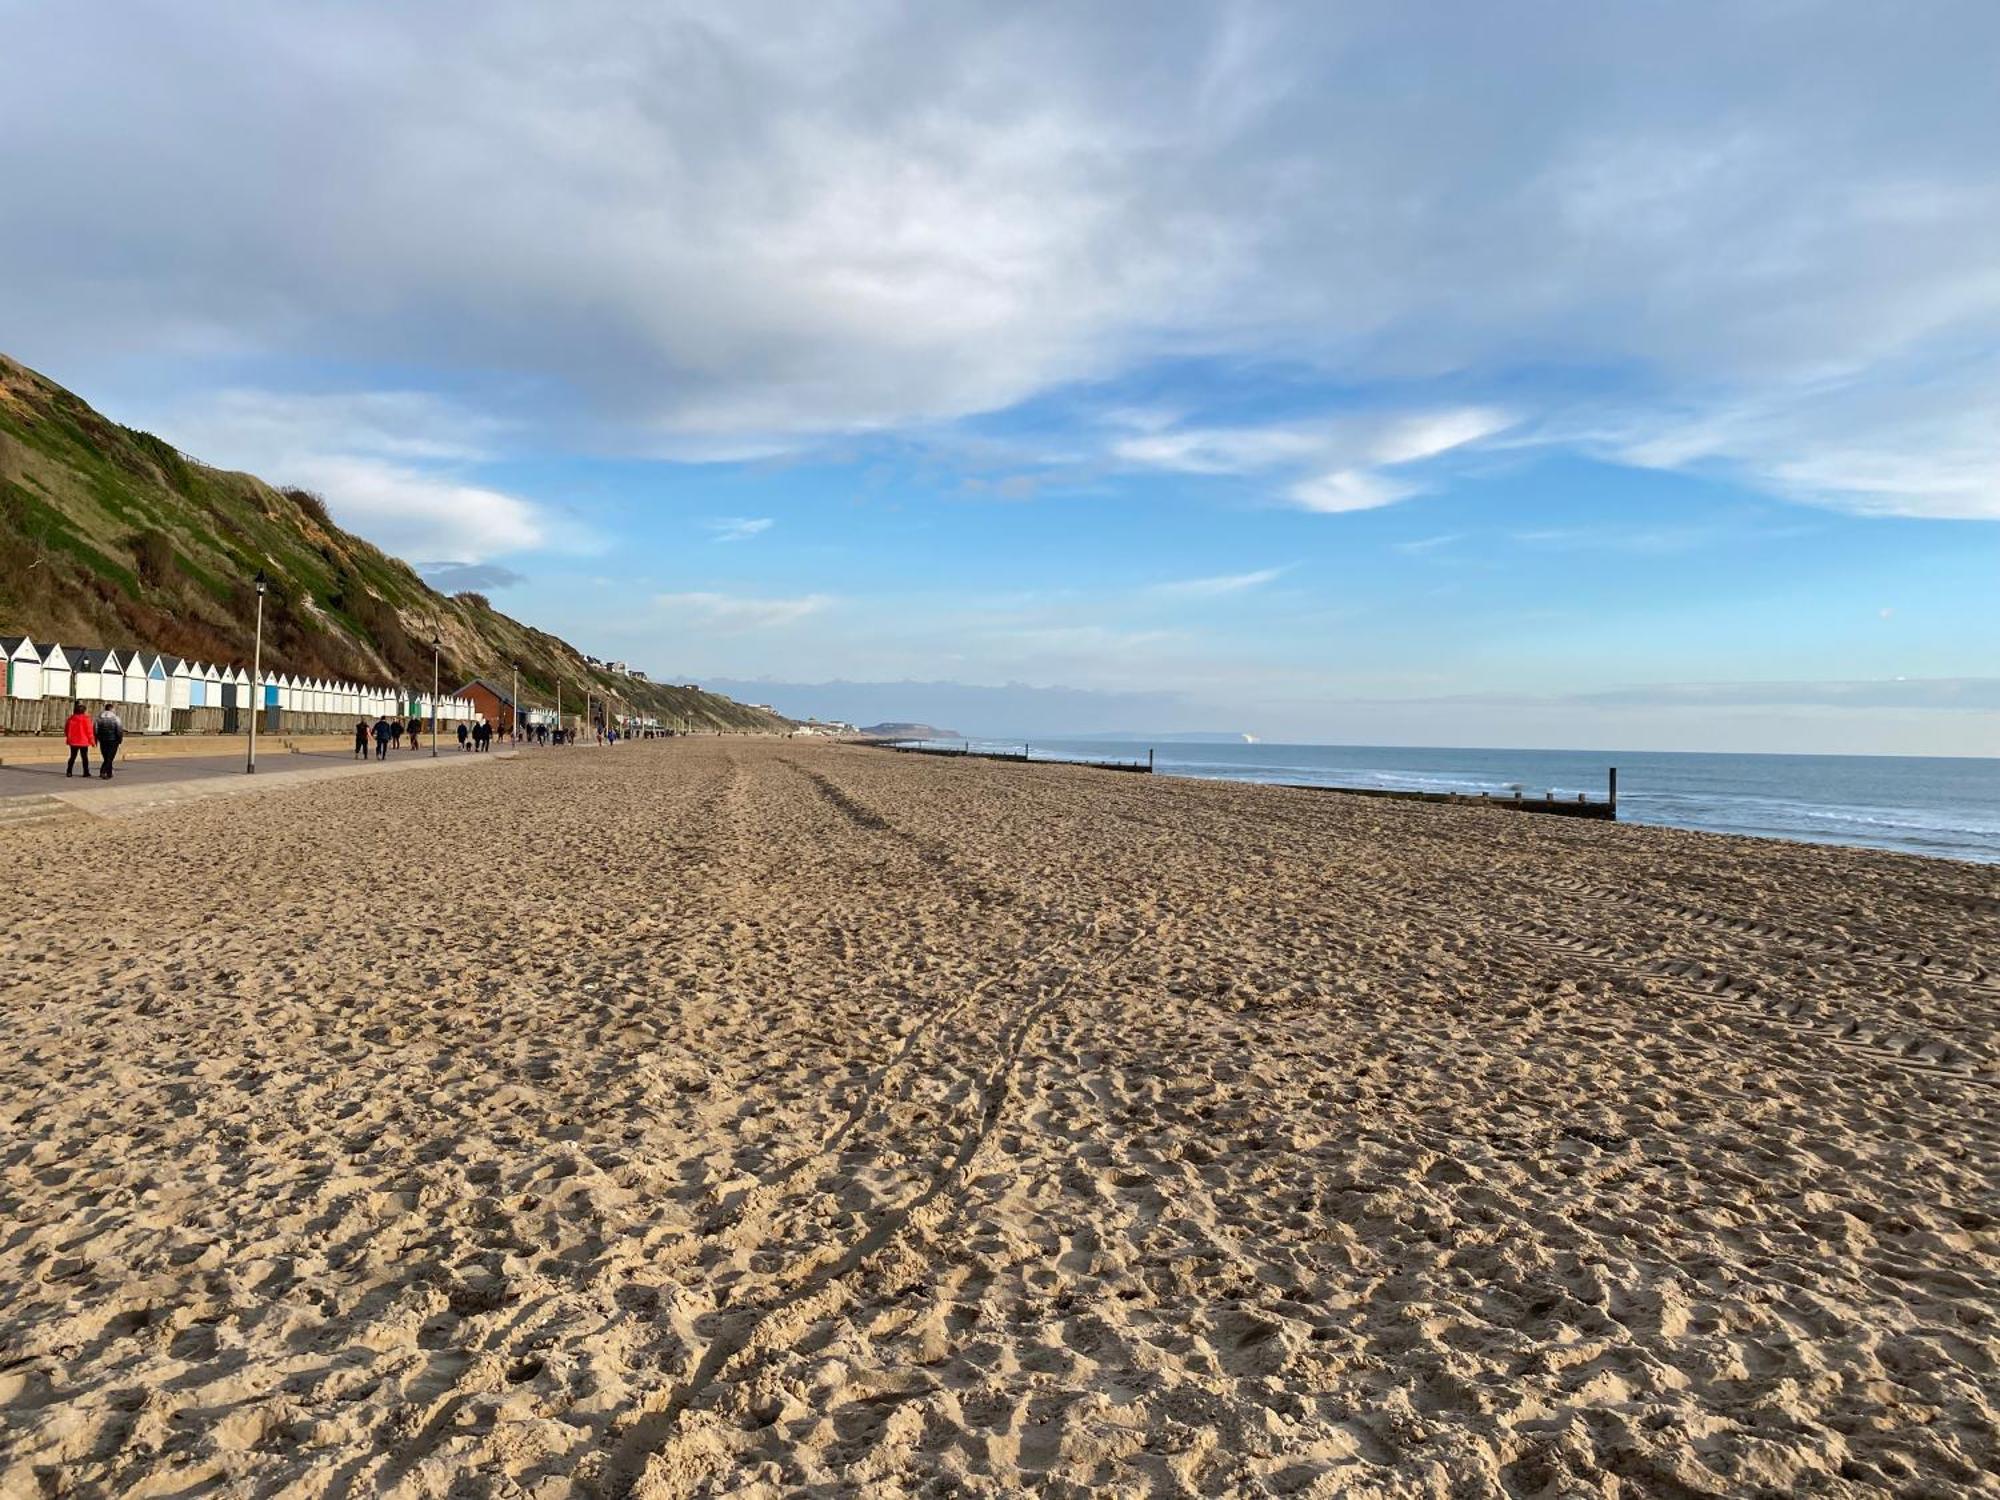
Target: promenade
<point x="163" y="774"/>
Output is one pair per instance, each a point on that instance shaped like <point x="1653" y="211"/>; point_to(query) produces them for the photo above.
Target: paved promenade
<point x="149" y="781"/>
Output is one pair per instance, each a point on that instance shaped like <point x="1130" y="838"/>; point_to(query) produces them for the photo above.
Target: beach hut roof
<point x="94" y="659"/>
<point x="172" y="664"/>
<point x="19" y="648"/>
<point x="54" y="653"/>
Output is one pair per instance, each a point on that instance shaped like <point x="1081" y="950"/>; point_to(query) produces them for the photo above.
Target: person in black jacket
<point x="110" y="735"/>
<point x="381" y="739"/>
<point x="361" y="739"/>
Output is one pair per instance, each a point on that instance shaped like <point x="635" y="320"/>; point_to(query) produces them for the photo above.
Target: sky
<point x="1608" y="376"/>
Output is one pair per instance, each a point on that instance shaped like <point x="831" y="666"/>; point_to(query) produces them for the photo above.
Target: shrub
<point x="155" y="557"/>
<point x="313" y="505"/>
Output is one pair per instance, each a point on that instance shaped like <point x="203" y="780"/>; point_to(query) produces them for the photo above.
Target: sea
<point x="1946" y="808"/>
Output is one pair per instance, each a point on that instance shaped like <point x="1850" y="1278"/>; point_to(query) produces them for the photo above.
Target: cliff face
<point x="109" y="536"/>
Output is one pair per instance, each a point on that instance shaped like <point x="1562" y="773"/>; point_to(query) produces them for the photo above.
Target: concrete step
<point x="31" y="812"/>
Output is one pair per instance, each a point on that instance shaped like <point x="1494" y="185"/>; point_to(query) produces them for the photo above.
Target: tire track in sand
<point x="758" y="1330"/>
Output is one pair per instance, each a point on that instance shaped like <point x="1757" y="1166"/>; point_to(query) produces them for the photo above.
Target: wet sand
<point x="739" y="1117"/>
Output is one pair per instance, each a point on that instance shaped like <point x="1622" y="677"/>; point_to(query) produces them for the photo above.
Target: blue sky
<point x="1620" y="376"/>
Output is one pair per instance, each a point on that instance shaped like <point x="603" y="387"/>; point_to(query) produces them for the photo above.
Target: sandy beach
<point x="755" y="1117"/>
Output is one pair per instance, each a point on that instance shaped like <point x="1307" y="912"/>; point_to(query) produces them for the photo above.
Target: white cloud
<point x="1349" y="489"/>
<point x="388" y="463"/>
<point x="1420" y="545"/>
<point x="730" y="613"/>
<point x="412" y="513"/>
<point x="1217" y="587"/>
<point x="709" y="231"/>
<point x="1925" y="443"/>
<point x="1222" y="450"/>
<point x="1349" y="452"/>
<point x="1426" y="434"/>
<point x="739" y="528"/>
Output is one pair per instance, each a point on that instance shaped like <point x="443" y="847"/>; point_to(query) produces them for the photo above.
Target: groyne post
<point x="1149" y="759"/>
<point x="1611" y="794"/>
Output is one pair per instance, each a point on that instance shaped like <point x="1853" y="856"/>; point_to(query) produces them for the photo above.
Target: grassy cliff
<point x="109" y="536"/>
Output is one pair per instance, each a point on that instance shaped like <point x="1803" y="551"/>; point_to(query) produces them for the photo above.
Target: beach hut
<point x="197" y="685"/>
<point x="58" y="672"/>
<point x="137" y="663"/>
<point x="159" y="715"/>
<point x="215" y="678"/>
<point x="96" y="673"/>
<point x="180" y="682"/>
<point x="23" y="667"/>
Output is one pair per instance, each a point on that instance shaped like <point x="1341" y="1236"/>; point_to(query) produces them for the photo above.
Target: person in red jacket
<point x="80" y="735"/>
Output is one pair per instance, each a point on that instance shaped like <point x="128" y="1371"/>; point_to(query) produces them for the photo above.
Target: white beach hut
<point x="136" y="662"/>
<point x="23" y="667"/>
<point x="180" y="683"/>
<point x="58" y="672"/>
<point x="96" y="673"/>
<point x="159" y="715"/>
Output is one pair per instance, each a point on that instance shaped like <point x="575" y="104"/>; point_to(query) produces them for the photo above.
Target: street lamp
<point x="256" y="676"/>
<point x="514" y="709"/>
<point x="437" y="650"/>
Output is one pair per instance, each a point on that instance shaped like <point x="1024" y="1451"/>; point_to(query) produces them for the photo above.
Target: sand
<point x="756" y="1117"/>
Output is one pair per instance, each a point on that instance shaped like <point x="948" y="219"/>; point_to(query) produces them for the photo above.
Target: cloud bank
<point x="709" y="231"/>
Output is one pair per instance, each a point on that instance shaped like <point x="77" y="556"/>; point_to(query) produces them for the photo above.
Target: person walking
<point x="110" y="731"/>
<point x="382" y="733"/>
<point x="416" y="733"/>
<point x="79" y="736"/>
<point x="361" y="739"/>
<point x="464" y="734"/>
<point x="396" y="734"/>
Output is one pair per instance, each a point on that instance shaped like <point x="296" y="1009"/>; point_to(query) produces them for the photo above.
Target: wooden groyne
<point x="1604" y="809"/>
<point x="1018" y="757"/>
<point x="1581" y="807"/>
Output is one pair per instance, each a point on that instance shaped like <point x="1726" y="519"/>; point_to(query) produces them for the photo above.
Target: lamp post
<point x="559" y="709"/>
<point x="437" y="649"/>
<point x="514" y="709"/>
<point x="256" y="675"/>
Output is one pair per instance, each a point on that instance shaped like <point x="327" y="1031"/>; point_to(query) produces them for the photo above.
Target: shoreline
<point x="1935" y="807"/>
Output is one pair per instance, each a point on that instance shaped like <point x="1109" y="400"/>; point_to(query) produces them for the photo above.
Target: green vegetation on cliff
<point x="109" y="536"/>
